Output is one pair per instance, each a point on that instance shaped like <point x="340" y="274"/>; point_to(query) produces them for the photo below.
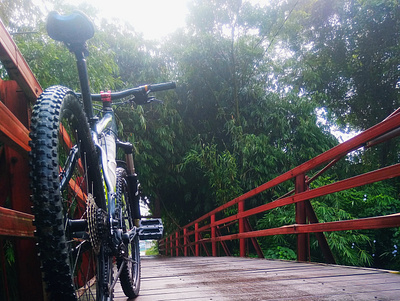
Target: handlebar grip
<point x="162" y="87"/>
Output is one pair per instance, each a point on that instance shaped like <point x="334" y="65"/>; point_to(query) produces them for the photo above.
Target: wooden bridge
<point x="200" y="278"/>
<point x="235" y="278"/>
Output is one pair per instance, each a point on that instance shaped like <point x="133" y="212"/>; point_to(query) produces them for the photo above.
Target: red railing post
<point x="322" y="242"/>
<point x="242" y="241"/>
<point x="162" y="246"/>
<point x="177" y="243"/>
<point x="302" y="241"/>
<point x="185" y="240"/>
<point x="171" y="246"/>
<point x="306" y="219"/>
<point x="213" y="235"/>
<point x="196" y="238"/>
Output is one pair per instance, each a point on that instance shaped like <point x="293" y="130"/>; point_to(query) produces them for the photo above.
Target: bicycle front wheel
<point x="130" y="259"/>
<point x="65" y="179"/>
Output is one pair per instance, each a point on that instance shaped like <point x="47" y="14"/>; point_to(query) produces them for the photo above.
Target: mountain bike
<point x="86" y="202"/>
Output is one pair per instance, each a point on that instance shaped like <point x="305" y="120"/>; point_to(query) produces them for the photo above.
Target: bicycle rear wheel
<point x="65" y="178"/>
<point x="131" y="271"/>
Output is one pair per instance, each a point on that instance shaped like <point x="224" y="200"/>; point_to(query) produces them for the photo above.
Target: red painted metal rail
<point x="187" y="240"/>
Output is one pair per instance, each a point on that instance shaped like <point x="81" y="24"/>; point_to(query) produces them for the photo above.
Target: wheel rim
<point x="60" y="190"/>
<point x="82" y="258"/>
<point x="130" y="276"/>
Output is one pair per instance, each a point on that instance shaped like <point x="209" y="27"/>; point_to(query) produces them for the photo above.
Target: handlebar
<point x="138" y="92"/>
<point x="162" y="87"/>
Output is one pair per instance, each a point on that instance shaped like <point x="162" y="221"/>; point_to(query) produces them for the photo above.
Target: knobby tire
<point x="72" y="269"/>
<point x="131" y="272"/>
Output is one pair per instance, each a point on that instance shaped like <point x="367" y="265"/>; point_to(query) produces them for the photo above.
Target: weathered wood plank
<point x="12" y="131"/>
<point x="15" y="223"/>
<point x="233" y="278"/>
<point x="16" y="66"/>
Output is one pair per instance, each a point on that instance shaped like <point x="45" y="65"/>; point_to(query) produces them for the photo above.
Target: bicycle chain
<point x="97" y="223"/>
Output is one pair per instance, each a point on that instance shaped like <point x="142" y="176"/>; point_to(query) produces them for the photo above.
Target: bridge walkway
<point x="235" y="278"/>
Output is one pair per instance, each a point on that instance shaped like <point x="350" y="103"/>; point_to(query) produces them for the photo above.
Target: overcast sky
<point x="154" y="18"/>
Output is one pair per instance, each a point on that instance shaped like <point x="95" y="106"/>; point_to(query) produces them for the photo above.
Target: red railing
<point x="16" y="229"/>
<point x="188" y="239"/>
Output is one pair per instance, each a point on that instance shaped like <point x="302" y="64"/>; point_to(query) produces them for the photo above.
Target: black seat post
<point x="84" y="82"/>
<point x="74" y="30"/>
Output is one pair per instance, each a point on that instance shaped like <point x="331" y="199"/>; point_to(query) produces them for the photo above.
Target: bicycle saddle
<point x="75" y="28"/>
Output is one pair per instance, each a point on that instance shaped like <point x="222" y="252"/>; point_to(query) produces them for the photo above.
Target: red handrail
<point x="379" y="133"/>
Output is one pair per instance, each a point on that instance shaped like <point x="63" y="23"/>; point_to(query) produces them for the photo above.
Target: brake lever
<point x="153" y="99"/>
<point x="145" y="100"/>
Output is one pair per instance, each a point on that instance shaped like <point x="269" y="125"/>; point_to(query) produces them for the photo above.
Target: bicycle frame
<point x="86" y="206"/>
<point x="106" y="129"/>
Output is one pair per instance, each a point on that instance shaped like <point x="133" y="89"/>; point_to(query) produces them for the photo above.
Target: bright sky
<point x="159" y="18"/>
<point x="154" y="18"/>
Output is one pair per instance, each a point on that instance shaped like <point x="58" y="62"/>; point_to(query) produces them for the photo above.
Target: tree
<point x="17" y="14"/>
<point x="349" y="53"/>
<point x="229" y="99"/>
<point x="250" y="82"/>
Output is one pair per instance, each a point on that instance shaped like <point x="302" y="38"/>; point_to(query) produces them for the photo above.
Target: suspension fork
<point x="133" y="182"/>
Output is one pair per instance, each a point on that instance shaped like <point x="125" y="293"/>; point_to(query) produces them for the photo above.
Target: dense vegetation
<point x="254" y="83"/>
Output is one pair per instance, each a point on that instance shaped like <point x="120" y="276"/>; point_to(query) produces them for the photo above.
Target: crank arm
<point x="129" y="236"/>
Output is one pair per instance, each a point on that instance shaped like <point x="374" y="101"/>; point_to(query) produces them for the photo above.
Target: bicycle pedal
<point x="151" y="229"/>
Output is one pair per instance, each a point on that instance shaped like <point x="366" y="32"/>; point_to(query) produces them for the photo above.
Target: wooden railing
<point x="16" y="229"/>
<point x="189" y="239"/>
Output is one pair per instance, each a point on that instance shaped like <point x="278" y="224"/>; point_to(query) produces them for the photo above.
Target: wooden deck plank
<point x="233" y="278"/>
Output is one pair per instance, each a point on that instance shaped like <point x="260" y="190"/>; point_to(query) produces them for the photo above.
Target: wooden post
<point x="165" y="240"/>
<point x="242" y="241"/>
<point x="171" y="244"/>
<point x="213" y="235"/>
<point x="17" y="68"/>
<point x="322" y="242"/>
<point x="29" y="275"/>
<point x="302" y="241"/>
<point x="185" y="240"/>
<point x="196" y="239"/>
<point x="177" y="243"/>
